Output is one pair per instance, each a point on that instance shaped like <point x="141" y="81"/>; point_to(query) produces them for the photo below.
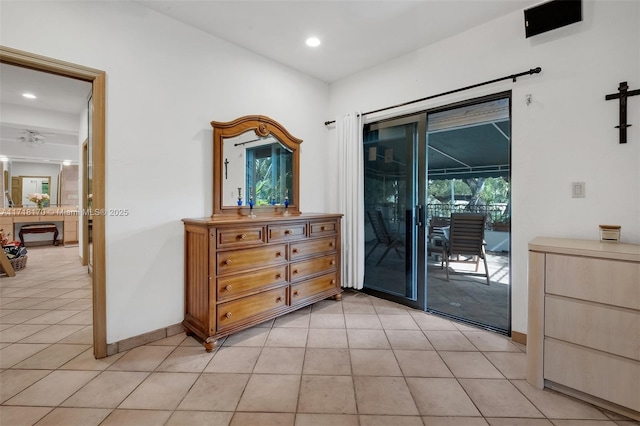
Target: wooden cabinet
<point x="584" y="321"/>
<point x="240" y="272"/>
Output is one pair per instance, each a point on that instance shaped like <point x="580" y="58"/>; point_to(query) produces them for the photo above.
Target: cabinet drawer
<point x="286" y="232"/>
<point x="23" y="219"/>
<point x="317" y="229"/>
<point x="303" y="249"/>
<point x="316" y="265"/>
<point x="236" y="285"/>
<point x="238" y="260"/>
<point x="241" y="310"/>
<point x="309" y="288"/>
<point x="606" y="328"/>
<point x="599" y="280"/>
<point x="606" y="376"/>
<point x="238" y="237"/>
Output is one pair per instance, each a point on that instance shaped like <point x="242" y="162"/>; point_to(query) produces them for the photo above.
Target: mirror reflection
<point x="22" y="178"/>
<point x="256" y="167"/>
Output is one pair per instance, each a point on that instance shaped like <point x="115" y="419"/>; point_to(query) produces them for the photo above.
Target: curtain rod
<point x="473" y="86"/>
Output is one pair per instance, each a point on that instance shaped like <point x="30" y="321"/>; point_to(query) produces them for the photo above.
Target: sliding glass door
<point x="392" y="153"/>
<point x="422" y="172"/>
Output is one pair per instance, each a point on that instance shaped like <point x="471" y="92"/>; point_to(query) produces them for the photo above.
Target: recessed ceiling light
<point x="29" y="95"/>
<point x="313" y="42"/>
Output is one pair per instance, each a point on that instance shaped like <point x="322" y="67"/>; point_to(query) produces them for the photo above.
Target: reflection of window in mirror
<point x="268" y="173"/>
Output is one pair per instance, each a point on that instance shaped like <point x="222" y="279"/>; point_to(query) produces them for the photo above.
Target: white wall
<point x="165" y="83"/>
<point x="567" y="134"/>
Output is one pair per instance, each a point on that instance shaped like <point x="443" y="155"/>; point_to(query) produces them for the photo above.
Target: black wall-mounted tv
<point x="551" y="15"/>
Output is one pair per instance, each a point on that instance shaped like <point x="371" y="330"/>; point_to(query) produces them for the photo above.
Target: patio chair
<point x="466" y="238"/>
<point x="383" y="236"/>
<point x="436" y="237"/>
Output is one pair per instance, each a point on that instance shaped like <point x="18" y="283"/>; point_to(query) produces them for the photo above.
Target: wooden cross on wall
<point x="623" y="94"/>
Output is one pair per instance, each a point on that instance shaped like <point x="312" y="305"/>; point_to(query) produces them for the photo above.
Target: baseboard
<point x="143" y="339"/>
<point x="519" y="337"/>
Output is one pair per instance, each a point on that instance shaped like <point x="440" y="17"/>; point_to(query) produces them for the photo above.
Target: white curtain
<point x="351" y="198"/>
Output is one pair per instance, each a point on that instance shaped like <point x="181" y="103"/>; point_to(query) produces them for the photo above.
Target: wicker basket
<point x="18" y="263"/>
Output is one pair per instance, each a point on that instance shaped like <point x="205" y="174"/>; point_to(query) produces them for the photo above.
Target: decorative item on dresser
<point x="584" y="321"/>
<point x="253" y="261"/>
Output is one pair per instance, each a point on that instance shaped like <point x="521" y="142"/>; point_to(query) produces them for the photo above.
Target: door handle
<point x="420" y="219"/>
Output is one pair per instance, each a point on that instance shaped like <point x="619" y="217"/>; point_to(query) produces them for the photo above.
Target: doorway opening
<point x="97" y="108"/>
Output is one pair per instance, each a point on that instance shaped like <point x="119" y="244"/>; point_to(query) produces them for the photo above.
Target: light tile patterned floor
<point x="361" y="361"/>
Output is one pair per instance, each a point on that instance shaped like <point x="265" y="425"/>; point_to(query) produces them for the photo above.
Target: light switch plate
<point x="577" y="190"/>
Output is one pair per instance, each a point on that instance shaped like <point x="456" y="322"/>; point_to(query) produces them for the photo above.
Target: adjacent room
<point x="241" y="213"/>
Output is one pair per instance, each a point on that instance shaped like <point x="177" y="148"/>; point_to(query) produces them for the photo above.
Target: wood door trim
<point x="98" y="104"/>
<point x="83" y="206"/>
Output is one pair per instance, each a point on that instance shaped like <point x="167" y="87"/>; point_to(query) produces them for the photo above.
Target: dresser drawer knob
<point x="287" y="232"/>
<point x="331" y="244"/>
<point x="279" y="299"/>
<point x="295" y="292"/>
<point x="228" y="315"/>
<point x="228" y="287"/>
<point x="322" y="228"/>
<point x="278" y="276"/>
<point x="333" y="262"/>
<point x="295" y="271"/>
<point x="242" y="236"/>
<point x="333" y="282"/>
<point x="295" y="250"/>
<point x="278" y="254"/>
<point x="227" y="262"/>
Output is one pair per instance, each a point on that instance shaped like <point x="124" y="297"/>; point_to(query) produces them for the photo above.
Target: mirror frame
<point x="262" y="126"/>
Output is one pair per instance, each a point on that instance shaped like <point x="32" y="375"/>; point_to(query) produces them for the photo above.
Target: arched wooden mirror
<point x="255" y="159"/>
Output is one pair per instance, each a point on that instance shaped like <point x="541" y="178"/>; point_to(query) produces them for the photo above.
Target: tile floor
<point x="360" y="361"/>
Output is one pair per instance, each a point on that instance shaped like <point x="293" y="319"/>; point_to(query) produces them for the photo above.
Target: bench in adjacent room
<point x="39" y="228"/>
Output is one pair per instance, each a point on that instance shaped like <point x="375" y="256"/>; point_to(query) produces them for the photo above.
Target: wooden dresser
<point x="584" y="321"/>
<point x="240" y="272"/>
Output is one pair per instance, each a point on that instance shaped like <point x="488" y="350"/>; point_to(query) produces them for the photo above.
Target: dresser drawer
<point x="301" y="249"/>
<point x="596" y="373"/>
<point x="313" y="286"/>
<point x="230" y="287"/>
<point x="238" y="237"/>
<point x="318" y="229"/>
<point x="599" y="280"/>
<point x="603" y="327"/>
<point x="316" y="265"/>
<point x="244" y="309"/>
<point x="286" y="232"/>
<point x="239" y="260"/>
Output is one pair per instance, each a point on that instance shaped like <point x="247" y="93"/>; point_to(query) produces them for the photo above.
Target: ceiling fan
<point x="33" y="137"/>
